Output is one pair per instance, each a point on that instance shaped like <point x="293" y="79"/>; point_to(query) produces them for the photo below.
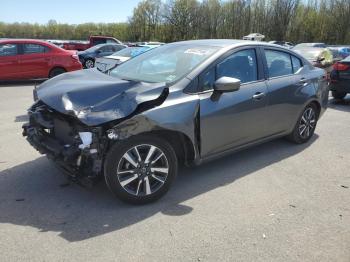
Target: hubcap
<point x="307" y="123"/>
<point x="143" y="170"/>
<point x="89" y="64"/>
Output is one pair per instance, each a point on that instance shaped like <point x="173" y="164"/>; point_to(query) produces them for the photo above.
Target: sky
<point x="66" y="11"/>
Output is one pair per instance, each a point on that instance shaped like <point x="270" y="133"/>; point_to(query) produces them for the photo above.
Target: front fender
<point x="178" y="113"/>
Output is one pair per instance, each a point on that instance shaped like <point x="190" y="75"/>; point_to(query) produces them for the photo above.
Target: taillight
<point x="75" y="56"/>
<point x="341" y="67"/>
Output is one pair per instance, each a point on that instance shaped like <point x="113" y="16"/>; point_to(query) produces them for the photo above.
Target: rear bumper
<point x="340" y="86"/>
<point x="75" y="66"/>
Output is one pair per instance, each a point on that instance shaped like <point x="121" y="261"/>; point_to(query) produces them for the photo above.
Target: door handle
<point x="258" y="95"/>
<point x="303" y="81"/>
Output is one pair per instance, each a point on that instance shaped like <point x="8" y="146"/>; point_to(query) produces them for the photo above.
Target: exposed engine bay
<point x="75" y="147"/>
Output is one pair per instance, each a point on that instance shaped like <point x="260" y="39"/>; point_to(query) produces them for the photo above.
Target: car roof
<point x="14" y="40"/>
<point x="107" y="44"/>
<point x="224" y="42"/>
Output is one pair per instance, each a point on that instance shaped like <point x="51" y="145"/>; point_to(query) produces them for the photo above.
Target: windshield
<point x="167" y="63"/>
<point x="346" y="59"/>
<point x="131" y="51"/>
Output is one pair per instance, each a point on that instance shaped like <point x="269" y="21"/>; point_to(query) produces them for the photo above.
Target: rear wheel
<point x="141" y="169"/>
<point x="56" y="71"/>
<point x="89" y="63"/>
<point x="338" y="95"/>
<point x="305" y="127"/>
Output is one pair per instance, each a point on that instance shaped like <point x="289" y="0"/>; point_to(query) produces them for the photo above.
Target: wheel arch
<point x="56" y="67"/>
<point x="318" y="106"/>
<point x="301" y="109"/>
<point x="180" y="142"/>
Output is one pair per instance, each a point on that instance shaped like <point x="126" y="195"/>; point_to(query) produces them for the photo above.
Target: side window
<point x="97" y="41"/>
<point x="33" y="49"/>
<point x="109" y="48"/>
<point x="105" y="49"/>
<point x="8" y="50"/>
<point x="241" y="65"/>
<point x="278" y="63"/>
<point x="207" y="80"/>
<point x="296" y="62"/>
<point x="114" y="49"/>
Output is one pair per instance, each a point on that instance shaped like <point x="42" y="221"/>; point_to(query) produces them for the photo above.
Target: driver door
<point x="232" y="119"/>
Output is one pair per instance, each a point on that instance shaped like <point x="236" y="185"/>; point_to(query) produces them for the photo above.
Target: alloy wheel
<point x="89" y="64"/>
<point x="143" y="170"/>
<point x="307" y="123"/>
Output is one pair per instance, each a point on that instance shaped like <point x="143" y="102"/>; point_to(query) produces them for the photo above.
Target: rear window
<point x="346" y="59"/>
<point x="8" y="49"/>
<point x="296" y="62"/>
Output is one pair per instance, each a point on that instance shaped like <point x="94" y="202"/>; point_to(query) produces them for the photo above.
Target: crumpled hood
<point x="96" y="98"/>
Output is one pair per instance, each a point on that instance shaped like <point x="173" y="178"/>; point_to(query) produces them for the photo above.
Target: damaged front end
<point x="78" y="116"/>
<point x="76" y="148"/>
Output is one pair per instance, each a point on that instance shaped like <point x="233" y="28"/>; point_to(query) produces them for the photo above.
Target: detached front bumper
<point x="52" y="148"/>
<point x="76" y="150"/>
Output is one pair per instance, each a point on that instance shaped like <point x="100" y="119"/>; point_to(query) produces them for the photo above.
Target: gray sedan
<point x="188" y="102"/>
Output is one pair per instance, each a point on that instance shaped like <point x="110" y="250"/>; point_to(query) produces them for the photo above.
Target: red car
<point x="32" y="59"/>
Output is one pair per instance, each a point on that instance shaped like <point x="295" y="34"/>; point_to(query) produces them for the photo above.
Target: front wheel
<point x="141" y="169"/>
<point x="305" y="127"/>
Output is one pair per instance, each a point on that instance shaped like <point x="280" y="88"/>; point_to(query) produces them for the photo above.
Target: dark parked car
<point x="88" y="57"/>
<point x="340" y="79"/>
<point x="93" y="40"/>
<point x="106" y="63"/>
<point x="30" y="59"/>
<point x="189" y="101"/>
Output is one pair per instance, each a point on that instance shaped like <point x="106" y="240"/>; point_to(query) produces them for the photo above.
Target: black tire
<point x="298" y="136"/>
<point x="89" y="63"/>
<point x="56" y="71"/>
<point x="338" y="95"/>
<point x="132" y="191"/>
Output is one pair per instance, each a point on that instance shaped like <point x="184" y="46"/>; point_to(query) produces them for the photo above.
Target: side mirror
<point x="227" y="84"/>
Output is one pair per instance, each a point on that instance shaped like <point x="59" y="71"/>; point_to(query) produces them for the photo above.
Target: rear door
<point x="9" y="61"/>
<point x="35" y="60"/>
<point x="232" y="119"/>
<point x="287" y="86"/>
